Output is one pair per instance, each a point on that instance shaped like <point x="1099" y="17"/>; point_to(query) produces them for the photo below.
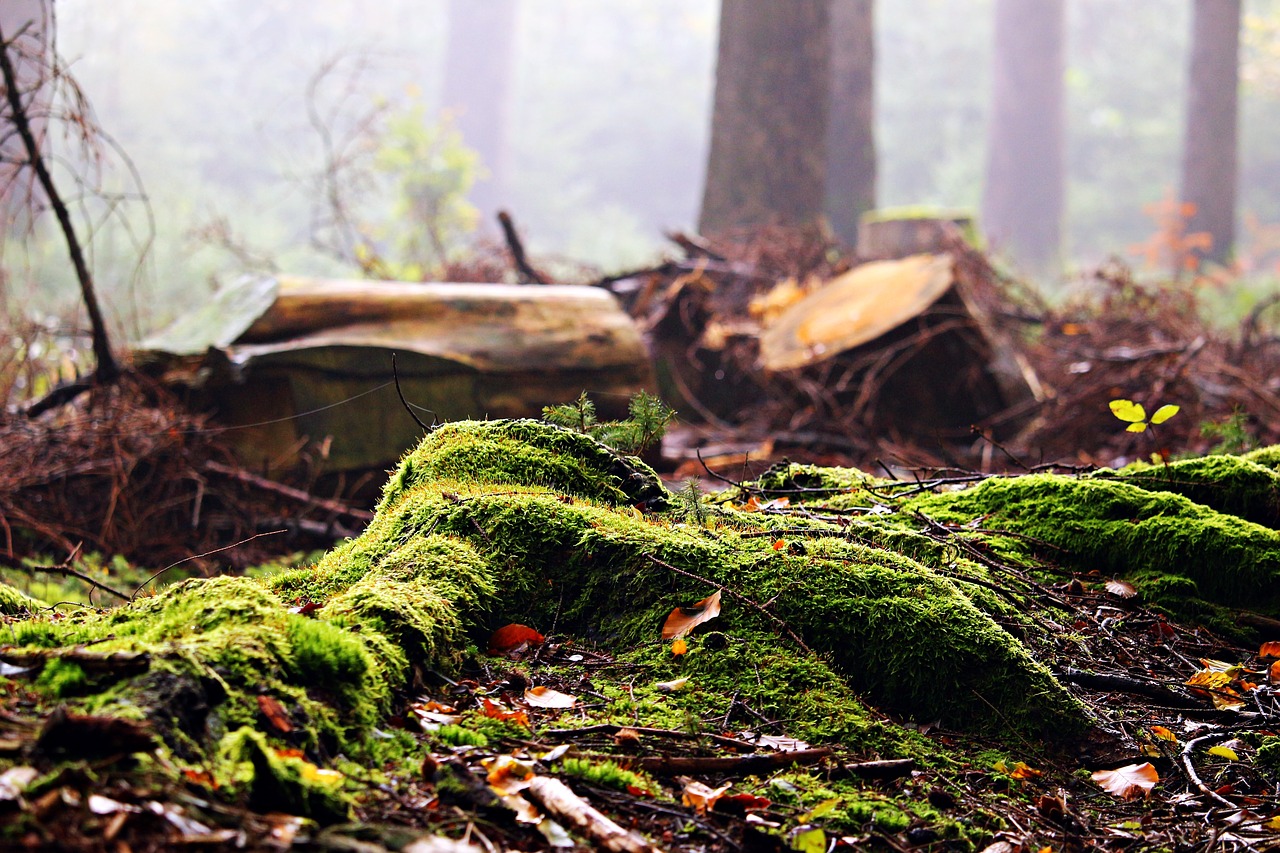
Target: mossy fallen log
<point x="484" y="523"/>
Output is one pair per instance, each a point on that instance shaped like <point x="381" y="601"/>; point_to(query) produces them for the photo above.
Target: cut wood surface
<point x="854" y="308"/>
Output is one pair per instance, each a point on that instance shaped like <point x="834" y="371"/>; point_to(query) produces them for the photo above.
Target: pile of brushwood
<point x="536" y="644"/>
<point x="1115" y="338"/>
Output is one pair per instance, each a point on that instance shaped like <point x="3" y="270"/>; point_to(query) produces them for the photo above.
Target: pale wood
<point x="558" y="799"/>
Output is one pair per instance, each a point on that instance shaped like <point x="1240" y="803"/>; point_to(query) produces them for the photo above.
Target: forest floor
<point x="791" y="746"/>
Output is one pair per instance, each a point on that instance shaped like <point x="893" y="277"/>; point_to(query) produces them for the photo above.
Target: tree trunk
<point x="1022" y="200"/>
<point x="851" y="144"/>
<point x="477" y="91"/>
<point x="1209" y="149"/>
<point x="769" y="124"/>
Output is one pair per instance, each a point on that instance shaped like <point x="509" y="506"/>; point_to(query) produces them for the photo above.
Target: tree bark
<point x="1023" y="197"/>
<point x="477" y="90"/>
<point x="769" y="125"/>
<point x="1209" y="159"/>
<point x="851" y="144"/>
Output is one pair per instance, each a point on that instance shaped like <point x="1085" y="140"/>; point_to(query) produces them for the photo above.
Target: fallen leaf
<point x="682" y="620"/>
<point x="811" y="840"/>
<point x="701" y="797"/>
<point x="101" y="805"/>
<point x="779" y="544"/>
<point x="545" y="697"/>
<point x="1273" y="673"/>
<point x="820" y="810"/>
<point x="1270" y="649"/>
<point x="319" y="775"/>
<point x="679" y="647"/>
<point x="15" y="780"/>
<point x="1164" y="734"/>
<point x="275" y="713"/>
<point x="492" y="709"/>
<point x="671" y="686"/>
<point x="1128" y="782"/>
<point x="626" y="736"/>
<point x="508" y="774"/>
<point x="1022" y="771"/>
<point x="1121" y="589"/>
<point x="778" y="742"/>
<point x="555" y="754"/>
<point x="513" y="638"/>
<point x="1232" y="669"/>
<point x="1223" y="752"/>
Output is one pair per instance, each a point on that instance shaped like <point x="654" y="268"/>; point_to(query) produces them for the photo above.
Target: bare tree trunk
<point x="1023" y="197"/>
<point x="107" y="369"/>
<point x="1210" y="141"/>
<point x="477" y="90"/>
<point x="851" y="143"/>
<point x="769" y="125"/>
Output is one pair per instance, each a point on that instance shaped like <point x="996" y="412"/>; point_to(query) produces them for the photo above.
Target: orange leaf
<point x="1270" y="649"/>
<point x="679" y="647"/>
<point x="1128" y="782"/>
<point x="513" y="638"/>
<point x="682" y="620"/>
<point x="1023" y="771"/>
<point x="1273" y="674"/>
<point x="275" y="713"/>
<point x="701" y="797"/>
<point x="1164" y="734"/>
<point x="492" y="709"/>
<point x="507" y="773"/>
<point x="779" y="544"/>
<point x="1121" y="589"/>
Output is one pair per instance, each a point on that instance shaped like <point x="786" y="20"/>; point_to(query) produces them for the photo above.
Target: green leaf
<point x="1127" y="410"/>
<point x="820" y="809"/>
<point x="1164" y="413"/>
<point x="810" y="841"/>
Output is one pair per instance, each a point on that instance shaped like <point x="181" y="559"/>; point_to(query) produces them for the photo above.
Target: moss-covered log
<point x="487" y="523"/>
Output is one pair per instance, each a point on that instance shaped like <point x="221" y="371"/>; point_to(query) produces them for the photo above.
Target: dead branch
<point x="736" y="766"/>
<point x="107" y="368"/>
<point x="557" y="798"/>
<point x="525" y="270"/>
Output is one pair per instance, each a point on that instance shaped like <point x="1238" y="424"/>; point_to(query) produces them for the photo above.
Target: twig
<point x="734" y="765"/>
<point x="1195" y="777"/>
<point x="778" y="623"/>
<point x="526" y="272"/>
<point x="198" y="556"/>
<point x="336" y="507"/>
<point x="395" y="375"/>
<point x="65" y="570"/>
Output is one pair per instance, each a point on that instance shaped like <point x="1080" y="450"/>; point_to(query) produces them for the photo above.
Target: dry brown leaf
<point x="507" y="774"/>
<point x="275" y="713"/>
<point x="682" y="620"/>
<point x="545" y="697"/>
<point x="1128" y="782"/>
<point x="701" y="797"/>
<point x="1121" y="589"/>
<point x="492" y="709"/>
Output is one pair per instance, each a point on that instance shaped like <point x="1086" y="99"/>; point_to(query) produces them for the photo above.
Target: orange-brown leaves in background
<point x="1270" y="649"/>
<point x="275" y="714"/>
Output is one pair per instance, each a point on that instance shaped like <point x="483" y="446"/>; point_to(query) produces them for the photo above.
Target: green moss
<point x="460" y="736"/>
<point x="14" y="602"/>
<point x="1228" y="484"/>
<point x="62" y="678"/>
<point x="525" y="453"/>
<point x="276" y="782"/>
<point x="607" y="774"/>
<point x="1120" y="528"/>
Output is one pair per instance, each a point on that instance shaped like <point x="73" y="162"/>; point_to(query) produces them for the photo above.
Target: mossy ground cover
<point x="882" y="622"/>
